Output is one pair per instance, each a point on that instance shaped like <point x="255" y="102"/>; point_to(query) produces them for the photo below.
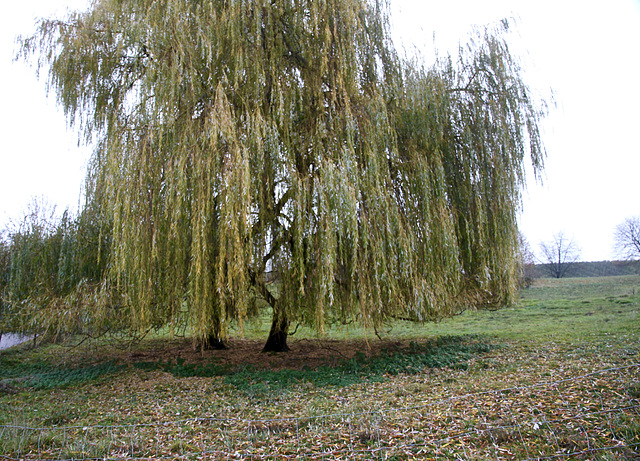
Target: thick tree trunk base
<point x="276" y="343"/>
<point x="213" y="344"/>
<point x="277" y="340"/>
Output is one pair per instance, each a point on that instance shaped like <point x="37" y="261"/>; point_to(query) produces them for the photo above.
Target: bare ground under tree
<point x="304" y="353"/>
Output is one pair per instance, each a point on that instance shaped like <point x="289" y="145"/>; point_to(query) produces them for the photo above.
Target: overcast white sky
<point x="587" y="51"/>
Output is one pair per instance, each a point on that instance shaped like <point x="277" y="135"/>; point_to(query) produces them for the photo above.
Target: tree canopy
<point x="281" y="153"/>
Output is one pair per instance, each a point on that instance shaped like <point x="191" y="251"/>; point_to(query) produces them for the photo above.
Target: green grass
<point x="50" y="376"/>
<point x="446" y="351"/>
<point x="590" y="288"/>
<point x="566" y="309"/>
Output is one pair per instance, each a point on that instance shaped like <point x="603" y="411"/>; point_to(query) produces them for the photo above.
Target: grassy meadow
<point x="554" y="376"/>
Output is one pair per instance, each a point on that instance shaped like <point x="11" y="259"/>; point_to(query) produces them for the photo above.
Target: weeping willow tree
<point x="279" y="152"/>
<point x="49" y="269"/>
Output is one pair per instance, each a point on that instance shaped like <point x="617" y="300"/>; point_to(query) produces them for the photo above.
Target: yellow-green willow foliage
<point x="476" y="121"/>
<point x="50" y="274"/>
<point x="280" y="151"/>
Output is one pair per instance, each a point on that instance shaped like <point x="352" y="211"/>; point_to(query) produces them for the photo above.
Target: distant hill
<point x="590" y="269"/>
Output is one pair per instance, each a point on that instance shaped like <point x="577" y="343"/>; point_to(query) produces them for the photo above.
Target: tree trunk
<point x="277" y="340"/>
<point x="213" y="343"/>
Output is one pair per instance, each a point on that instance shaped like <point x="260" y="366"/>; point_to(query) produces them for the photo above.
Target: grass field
<point x="555" y="376"/>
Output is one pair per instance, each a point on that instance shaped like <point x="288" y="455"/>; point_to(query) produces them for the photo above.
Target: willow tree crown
<point x="280" y="151"/>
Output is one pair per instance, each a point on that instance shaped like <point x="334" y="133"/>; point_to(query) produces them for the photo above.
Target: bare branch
<point x="559" y="254"/>
<point x="627" y="238"/>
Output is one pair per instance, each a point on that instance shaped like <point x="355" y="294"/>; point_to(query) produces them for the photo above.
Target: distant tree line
<point x="588" y="269"/>
<point x="560" y="255"/>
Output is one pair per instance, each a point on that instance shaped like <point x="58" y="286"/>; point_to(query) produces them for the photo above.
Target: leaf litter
<point x="516" y="401"/>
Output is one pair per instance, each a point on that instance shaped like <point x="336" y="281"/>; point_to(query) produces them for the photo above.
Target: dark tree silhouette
<point x="559" y="254"/>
